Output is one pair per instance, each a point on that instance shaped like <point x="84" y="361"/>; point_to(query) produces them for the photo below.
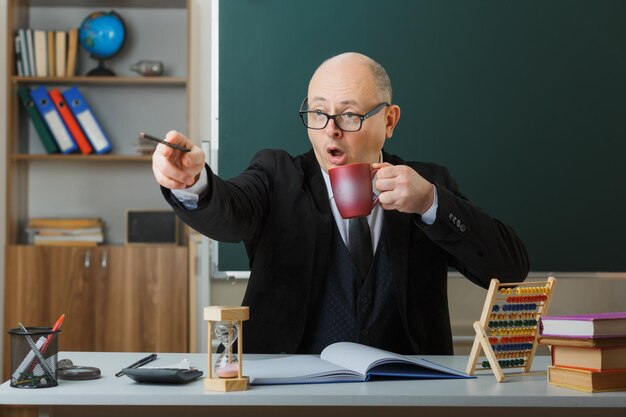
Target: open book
<point x="343" y="362"/>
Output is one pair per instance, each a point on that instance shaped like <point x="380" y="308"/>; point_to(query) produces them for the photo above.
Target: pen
<point x="44" y="347"/>
<point x="139" y="363"/>
<point x="143" y="135"/>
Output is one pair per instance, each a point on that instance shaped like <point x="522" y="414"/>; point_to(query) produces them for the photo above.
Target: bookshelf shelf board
<point x="174" y="4"/>
<point x="90" y="158"/>
<point x="151" y="81"/>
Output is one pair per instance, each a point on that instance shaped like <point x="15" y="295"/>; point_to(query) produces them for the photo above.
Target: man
<point x="305" y="291"/>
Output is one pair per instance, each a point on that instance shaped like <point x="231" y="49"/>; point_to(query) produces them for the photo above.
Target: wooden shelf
<point x="95" y="278"/>
<point x="76" y="157"/>
<point x="110" y="3"/>
<point x="151" y="81"/>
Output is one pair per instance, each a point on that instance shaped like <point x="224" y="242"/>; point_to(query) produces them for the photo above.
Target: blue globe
<point x="102" y="35"/>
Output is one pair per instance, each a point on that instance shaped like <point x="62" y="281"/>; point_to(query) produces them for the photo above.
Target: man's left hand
<point x="403" y="189"/>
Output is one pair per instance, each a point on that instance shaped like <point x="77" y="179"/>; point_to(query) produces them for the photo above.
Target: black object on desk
<point x="163" y="375"/>
<point x="68" y="371"/>
<point x="140" y="362"/>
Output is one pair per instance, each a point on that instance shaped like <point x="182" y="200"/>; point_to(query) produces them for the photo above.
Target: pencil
<point x="143" y="135"/>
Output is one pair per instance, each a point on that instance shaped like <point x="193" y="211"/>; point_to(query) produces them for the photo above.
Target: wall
<point x="3" y="119"/>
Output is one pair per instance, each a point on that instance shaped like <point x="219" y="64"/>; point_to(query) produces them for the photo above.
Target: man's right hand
<point x="174" y="169"/>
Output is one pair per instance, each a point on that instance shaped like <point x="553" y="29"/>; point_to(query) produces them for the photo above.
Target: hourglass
<point x="226" y="324"/>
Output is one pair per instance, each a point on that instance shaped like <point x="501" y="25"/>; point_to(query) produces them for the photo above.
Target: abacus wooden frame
<point x="481" y="327"/>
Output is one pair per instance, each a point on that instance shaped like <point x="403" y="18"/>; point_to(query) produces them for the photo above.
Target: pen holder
<point x="34" y="357"/>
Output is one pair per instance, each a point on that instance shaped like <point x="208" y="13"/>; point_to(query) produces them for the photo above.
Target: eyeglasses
<point x="348" y="122"/>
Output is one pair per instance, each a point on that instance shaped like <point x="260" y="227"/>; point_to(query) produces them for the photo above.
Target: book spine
<point x="72" y="50"/>
<point x="40" y="125"/>
<point x="21" y="33"/>
<point x="81" y="110"/>
<point x="70" y="122"/>
<point x="61" y="53"/>
<point x="51" y="55"/>
<point x="53" y="120"/>
<point x="18" y="57"/>
<point x="31" y="52"/>
<point x="41" y="53"/>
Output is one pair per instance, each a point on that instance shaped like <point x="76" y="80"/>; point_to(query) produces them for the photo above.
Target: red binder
<point x="70" y="121"/>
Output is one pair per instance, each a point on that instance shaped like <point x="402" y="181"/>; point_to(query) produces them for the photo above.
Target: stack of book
<point x="588" y="351"/>
<point x="65" y="231"/>
<point x="144" y="146"/>
<point x="41" y="53"/>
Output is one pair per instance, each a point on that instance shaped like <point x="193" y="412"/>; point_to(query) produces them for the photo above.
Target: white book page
<point x="357" y="357"/>
<point x="568" y="327"/>
<point x="362" y="359"/>
<point x="295" y="368"/>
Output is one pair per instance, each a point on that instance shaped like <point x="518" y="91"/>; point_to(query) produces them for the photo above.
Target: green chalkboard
<point x="524" y="101"/>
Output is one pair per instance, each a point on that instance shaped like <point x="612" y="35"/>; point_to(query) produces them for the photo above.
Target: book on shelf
<point x="23" y="51"/>
<point x="31" y="52"/>
<point x="51" y="54"/>
<point x="87" y="120"/>
<point x="39" y="124"/>
<point x="41" y="53"/>
<point x="70" y="122"/>
<point x="344" y="362"/>
<point x="60" y="51"/>
<point x="72" y="50"/>
<point x="587" y="380"/>
<point x="65" y="243"/>
<point x="585" y="325"/>
<point x="64" y="232"/>
<point x="19" y="68"/>
<point x="82" y="239"/>
<point x="64" y="222"/>
<point x="582" y="341"/>
<point x="590" y="358"/>
<point x="46" y="108"/>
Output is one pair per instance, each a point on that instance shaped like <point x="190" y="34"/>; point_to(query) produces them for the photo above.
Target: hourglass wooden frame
<point x="231" y="315"/>
<point x="508" y="333"/>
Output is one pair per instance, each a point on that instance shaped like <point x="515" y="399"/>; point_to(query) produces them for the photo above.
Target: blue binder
<point x="53" y="120"/>
<point x="78" y="105"/>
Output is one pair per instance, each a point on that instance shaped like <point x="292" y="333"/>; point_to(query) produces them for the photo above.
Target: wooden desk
<point x="107" y="396"/>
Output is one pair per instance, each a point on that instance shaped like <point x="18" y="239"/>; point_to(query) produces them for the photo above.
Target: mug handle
<point x="372" y="173"/>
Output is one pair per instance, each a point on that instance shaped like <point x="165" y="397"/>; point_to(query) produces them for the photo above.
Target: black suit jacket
<point x="279" y="207"/>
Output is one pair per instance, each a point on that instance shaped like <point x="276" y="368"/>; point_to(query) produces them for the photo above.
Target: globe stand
<point x="101" y="70"/>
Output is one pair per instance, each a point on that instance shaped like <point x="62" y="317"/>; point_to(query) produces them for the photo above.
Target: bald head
<point x="354" y="61"/>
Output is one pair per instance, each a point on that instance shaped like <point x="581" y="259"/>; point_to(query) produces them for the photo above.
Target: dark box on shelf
<point x="158" y="227"/>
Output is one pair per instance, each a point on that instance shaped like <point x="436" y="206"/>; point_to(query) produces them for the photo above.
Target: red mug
<point x="352" y="188"/>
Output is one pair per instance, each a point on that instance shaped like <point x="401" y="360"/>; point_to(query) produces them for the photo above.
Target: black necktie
<point x="360" y="244"/>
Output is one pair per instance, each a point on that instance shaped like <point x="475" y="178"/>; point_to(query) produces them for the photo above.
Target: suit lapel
<point x="398" y="226"/>
<point x="324" y="221"/>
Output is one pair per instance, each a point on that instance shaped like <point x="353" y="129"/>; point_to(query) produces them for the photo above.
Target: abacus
<point x="509" y="325"/>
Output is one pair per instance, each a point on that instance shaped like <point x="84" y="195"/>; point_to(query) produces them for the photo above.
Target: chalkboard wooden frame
<point x="151" y="227"/>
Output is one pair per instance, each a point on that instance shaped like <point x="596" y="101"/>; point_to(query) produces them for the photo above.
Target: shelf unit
<point x="105" y="186"/>
<point x="124" y="105"/>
